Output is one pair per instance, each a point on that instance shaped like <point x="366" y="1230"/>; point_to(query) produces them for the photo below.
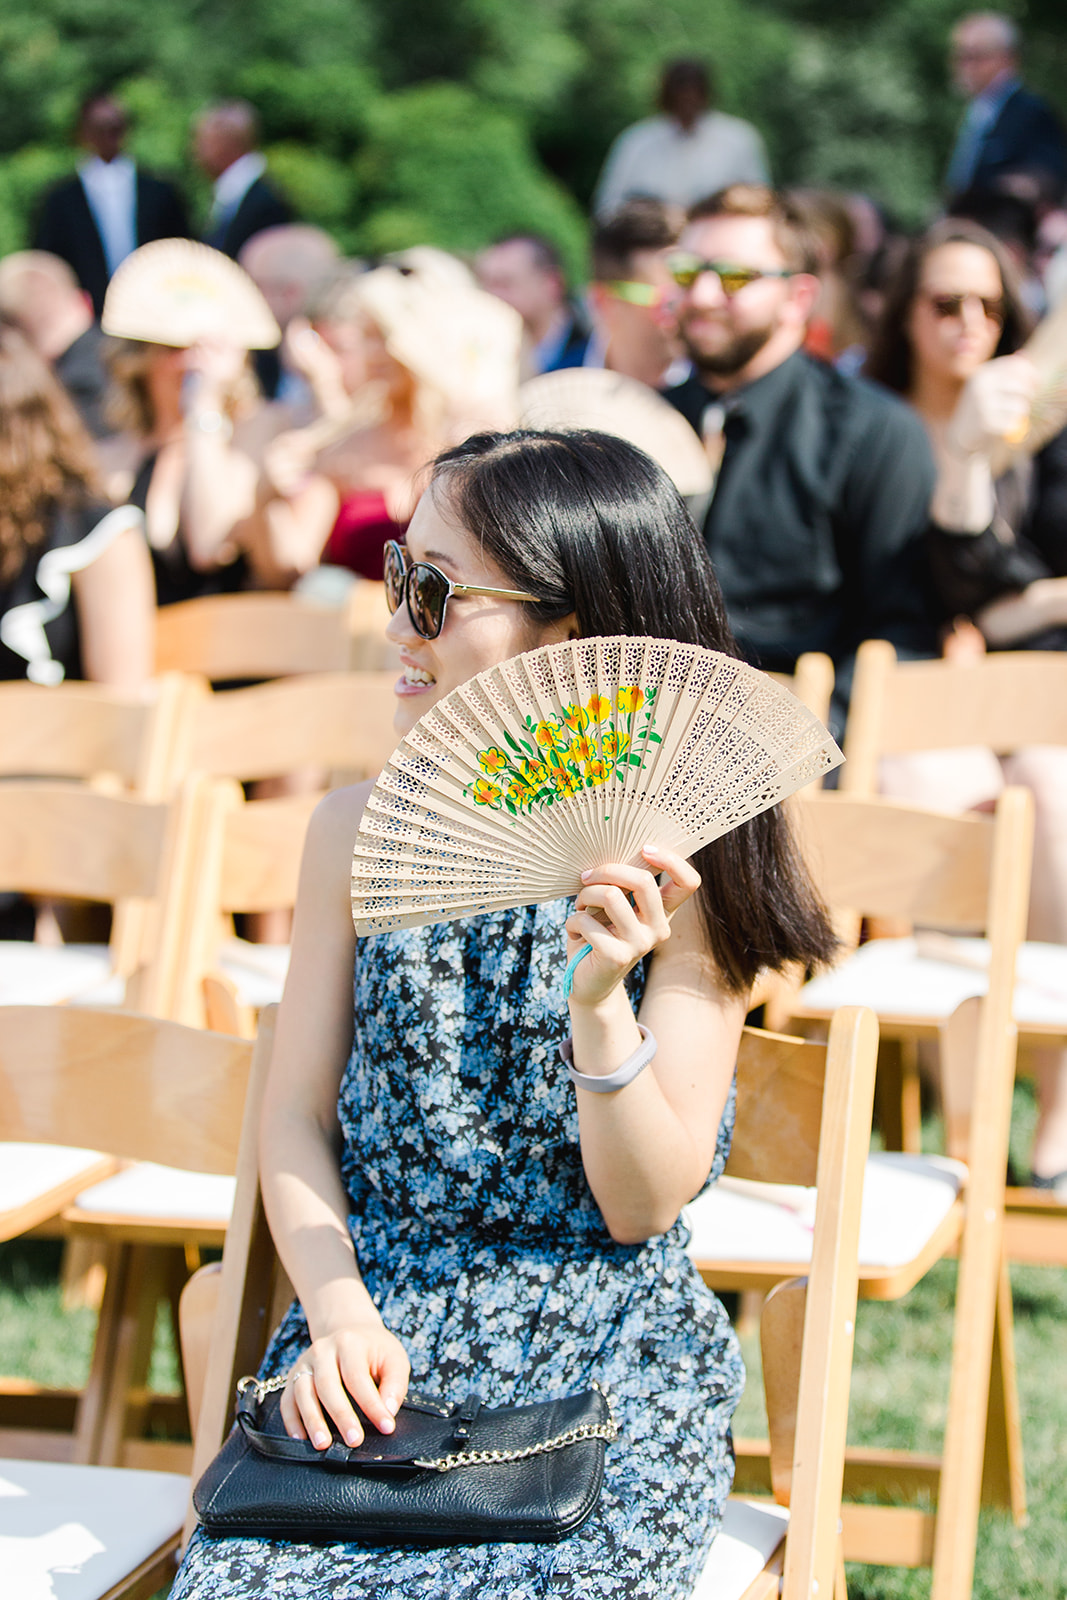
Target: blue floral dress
<point x="479" y="1239"/>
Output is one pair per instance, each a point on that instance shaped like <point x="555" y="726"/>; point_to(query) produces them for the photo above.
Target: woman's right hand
<point x="362" y="1362"/>
<point x="994" y="406"/>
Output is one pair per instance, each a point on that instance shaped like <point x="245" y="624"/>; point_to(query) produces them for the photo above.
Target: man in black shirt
<point x="816" y="526"/>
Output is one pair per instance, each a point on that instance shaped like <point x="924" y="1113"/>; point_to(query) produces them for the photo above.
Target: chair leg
<point x="124" y="1405"/>
<point x="911" y="1116"/>
<point x="1003" y="1475"/>
<point x="969" y="1387"/>
<point x="889" y="1093"/>
<point x="840" y="1584"/>
<point x="92" y="1404"/>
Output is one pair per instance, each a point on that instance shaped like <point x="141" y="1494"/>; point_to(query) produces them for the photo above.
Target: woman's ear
<point x="563" y="628"/>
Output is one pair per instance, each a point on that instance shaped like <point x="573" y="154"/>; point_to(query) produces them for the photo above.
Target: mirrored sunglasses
<point x="685" y="269"/>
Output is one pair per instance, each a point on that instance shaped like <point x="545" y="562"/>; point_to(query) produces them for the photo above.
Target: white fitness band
<point x="624" y="1074"/>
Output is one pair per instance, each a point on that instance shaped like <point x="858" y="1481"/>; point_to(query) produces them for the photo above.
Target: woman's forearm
<point x="963" y="500"/>
<point x="643" y="1161"/>
<point x="218" y="492"/>
<point x="1042" y="604"/>
<point x="307" y="1209"/>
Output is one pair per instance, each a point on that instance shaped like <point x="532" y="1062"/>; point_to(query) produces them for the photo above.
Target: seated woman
<point x="180" y="413"/>
<point x="405" y="360"/>
<point x="953" y="322"/>
<point x="445" y="1202"/>
<point x="76" y="596"/>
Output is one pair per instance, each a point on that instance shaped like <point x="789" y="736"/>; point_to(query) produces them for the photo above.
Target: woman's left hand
<point x="623" y="913"/>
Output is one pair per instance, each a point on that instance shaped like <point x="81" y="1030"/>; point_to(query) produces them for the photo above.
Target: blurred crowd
<point x="851" y="390"/>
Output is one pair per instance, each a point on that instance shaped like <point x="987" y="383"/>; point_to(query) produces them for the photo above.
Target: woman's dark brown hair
<point x="595" y="527"/>
<point x="46" y="456"/>
<point x="890" y="359"/>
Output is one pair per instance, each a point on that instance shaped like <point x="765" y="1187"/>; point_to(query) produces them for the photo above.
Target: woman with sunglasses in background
<point x="446" y="1201"/>
<point x="953" y="324"/>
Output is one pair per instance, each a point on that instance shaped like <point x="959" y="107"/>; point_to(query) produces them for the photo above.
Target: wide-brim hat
<point x="592" y="397"/>
<point x="177" y="292"/>
<point x="451" y="335"/>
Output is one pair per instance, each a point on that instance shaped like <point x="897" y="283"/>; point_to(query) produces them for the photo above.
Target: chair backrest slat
<point x="1005" y="701"/>
<point x="886" y="859"/>
<point x="336" y="722"/>
<point x="131" y="1086"/>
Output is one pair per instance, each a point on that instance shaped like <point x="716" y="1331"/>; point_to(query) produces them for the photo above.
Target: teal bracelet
<point x="624" y="1074"/>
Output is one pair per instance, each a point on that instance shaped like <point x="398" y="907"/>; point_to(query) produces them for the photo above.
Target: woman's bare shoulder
<point x="335" y="820"/>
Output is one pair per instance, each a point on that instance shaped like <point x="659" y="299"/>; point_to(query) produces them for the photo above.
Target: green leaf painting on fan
<point x="580" y="748"/>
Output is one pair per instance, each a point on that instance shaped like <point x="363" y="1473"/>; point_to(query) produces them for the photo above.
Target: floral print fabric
<point x="483" y="1247"/>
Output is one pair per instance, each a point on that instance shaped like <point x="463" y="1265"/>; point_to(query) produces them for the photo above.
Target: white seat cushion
<point x="148" y="1192"/>
<point x="901" y="977"/>
<point x="70" y="1533"/>
<point x="257" y="971"/>
<point x="55" y="974"/>
<point x="29" y="1170"/>
<point x="905" y="1198"/>
<point x="750" y="1534"/>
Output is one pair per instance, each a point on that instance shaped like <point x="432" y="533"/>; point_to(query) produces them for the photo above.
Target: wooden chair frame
<point x="1005" y="701"/>
<point x="138" y="1088"/>
<point x="964" y="873"/>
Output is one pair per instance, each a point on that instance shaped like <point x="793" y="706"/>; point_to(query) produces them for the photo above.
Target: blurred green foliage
<point x="450" y="121"/>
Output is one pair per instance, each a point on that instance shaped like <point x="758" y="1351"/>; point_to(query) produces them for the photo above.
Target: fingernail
<point x="392" y="1402"/>
<point x="320" y="1440"/>
<point x="353" y="1436"/>
<point x="386" y="1425"/>
<point x="654" y="851"/>
<point x="293" y="1434"/>
<point x="587" y="874"/>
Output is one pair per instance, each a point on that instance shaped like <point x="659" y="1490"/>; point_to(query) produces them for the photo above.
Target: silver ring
<point x="303" y="1372"/>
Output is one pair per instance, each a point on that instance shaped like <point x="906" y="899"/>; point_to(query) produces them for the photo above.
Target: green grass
<point x="899" y="1390"/>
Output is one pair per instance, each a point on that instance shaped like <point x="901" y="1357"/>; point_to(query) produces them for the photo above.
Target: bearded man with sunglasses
<point x="817" y="522"/>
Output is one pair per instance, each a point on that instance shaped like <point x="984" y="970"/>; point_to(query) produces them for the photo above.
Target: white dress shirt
<point x="658" y="157"/>
<point x="233" y="184"/>
<point x="111" y="190"/>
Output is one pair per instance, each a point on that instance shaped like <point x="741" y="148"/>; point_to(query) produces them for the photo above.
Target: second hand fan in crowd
<point x="573" y="756"/>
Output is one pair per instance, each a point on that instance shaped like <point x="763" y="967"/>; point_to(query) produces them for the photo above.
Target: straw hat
<point x="455" y="337"/>
<point x="592" y="397"/>
<point x="176" y="292"/>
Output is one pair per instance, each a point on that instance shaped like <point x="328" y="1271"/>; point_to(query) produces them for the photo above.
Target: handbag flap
<point x="428" y="1434"/>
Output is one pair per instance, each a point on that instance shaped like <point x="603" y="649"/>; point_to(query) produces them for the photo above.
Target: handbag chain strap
<point x="471" y="1458"/>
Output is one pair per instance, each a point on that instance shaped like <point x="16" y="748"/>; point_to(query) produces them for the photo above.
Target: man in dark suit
<point x="1005" y="130"/>
<point x="93" y="221"/>
<point x="225" y="144"/>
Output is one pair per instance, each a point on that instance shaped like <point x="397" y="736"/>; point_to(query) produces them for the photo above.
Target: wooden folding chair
<point x="268" y="635"/>
<point x="154" y="1220"/>
<point x="1005" y="701"/>
<point x="68" y="839"/>
<point x="139" y="1089"/>
<point x="822" y="1094"/>
<point x="117" y="741"/>
<point x="959" y="873"/>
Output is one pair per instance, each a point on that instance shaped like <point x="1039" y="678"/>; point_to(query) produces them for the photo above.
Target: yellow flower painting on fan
<point x="565" y="752"/>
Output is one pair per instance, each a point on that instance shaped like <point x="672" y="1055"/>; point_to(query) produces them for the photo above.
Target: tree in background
<point x="392" y="122"/>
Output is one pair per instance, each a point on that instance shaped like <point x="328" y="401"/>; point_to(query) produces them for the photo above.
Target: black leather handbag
<point x="448" y="1475"/>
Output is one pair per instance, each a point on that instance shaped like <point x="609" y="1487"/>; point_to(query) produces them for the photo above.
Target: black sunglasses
<point x="427" y="590"/>
<point x="951" y="305"/>
<point x="685" y="269"/>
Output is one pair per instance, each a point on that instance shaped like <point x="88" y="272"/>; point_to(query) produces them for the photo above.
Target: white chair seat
<point x="905" y="1199"/>
<point x="750" y="1534"/>
<point x="53" y="975"/>
<point x="147" y="1192"/>
<point x="901" y="977"/>
<point x="257" y="971"/>
<point x="71" y="1533"/>
<point x="29" y="1170"/>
